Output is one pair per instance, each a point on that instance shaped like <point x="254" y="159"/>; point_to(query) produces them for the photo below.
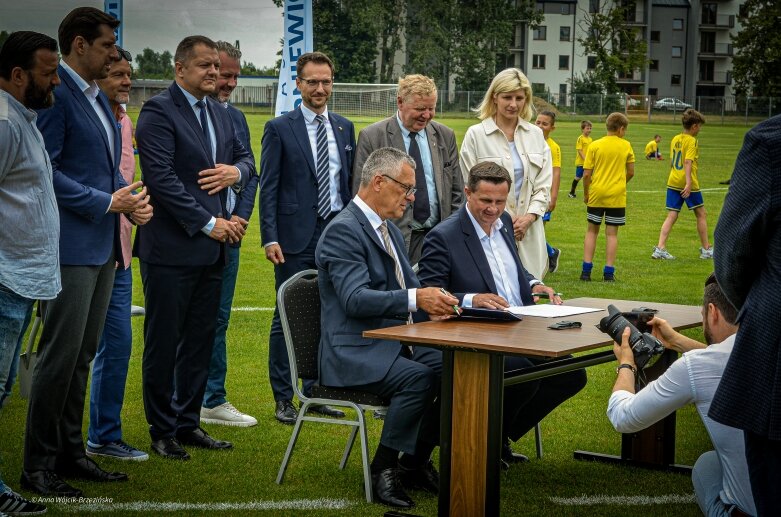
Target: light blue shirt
<point x="29" y="220"/>
<point x="428" y="169"/>
<point x="334" y="161"/>
<point x="517" y="170"/>
<point x="376" y="221"/>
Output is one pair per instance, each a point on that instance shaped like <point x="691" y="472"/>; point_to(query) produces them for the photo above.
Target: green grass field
<point x="245" y="476"/>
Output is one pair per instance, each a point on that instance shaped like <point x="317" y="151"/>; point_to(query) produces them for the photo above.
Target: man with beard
<point x="29" y="224"/>
<point x="720" y="477"/>
<point x="109" y="369"/>
<point x="84" y="146"/>
<point x="215" y="408"/>
<point x="304" y="182"/>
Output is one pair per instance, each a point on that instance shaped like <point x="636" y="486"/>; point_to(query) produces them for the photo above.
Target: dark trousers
<point x="278" y="362"/>
<point x="764" y="469"/>
<point x="72" y="327"/>
<point x="527" y="403"/>
<point x="181" y="316"/>
<point x="412" y="385"/>
<point x="416" y="245"/>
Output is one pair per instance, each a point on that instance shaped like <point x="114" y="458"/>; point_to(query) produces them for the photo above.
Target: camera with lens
<point x="646" y="347"/>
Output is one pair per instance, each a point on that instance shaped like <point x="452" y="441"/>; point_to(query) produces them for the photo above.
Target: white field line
<point x="619" y="500"/>
<point x="251" y="309"/>
<point x="155" y="507"/>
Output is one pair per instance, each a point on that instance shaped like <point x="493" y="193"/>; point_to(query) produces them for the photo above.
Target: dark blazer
<point x="444" y="160"/>
<point x="288" y="181"/>
<point x="358" y="291"/>
<point x="748" y="267"/>
<point x="85" y="174"/>
<point x="172" y="151"/>
<point x="245" y="199"/>
<point x="453" y="258"/>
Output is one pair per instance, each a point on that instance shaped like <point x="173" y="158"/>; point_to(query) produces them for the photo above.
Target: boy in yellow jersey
<point x="581" y="147"/>
<point x="652" y="149"/>
<point x="684" y="186"/>
<point x="546" y="121"/>
<point x="609" y="165"/>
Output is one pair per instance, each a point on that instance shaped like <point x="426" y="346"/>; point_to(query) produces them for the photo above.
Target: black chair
<point x="298" y="300"/>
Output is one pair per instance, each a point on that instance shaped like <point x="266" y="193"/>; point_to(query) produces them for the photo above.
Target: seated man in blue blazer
<point x="472" y="254"/>
<point x="366" y="283"/>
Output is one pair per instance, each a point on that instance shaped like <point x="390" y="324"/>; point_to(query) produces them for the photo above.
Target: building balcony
<point x="715" y="79"/>
<point x="721" y="21"/>
<point x="716" y="50"/>
<point x="636" y="19"/>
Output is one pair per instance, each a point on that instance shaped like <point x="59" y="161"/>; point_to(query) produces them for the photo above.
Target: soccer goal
<point x="365" y="100"/>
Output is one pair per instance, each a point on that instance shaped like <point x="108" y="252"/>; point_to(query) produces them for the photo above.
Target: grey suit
<point x="358" y="292"/>
<point x="444" y="160"/>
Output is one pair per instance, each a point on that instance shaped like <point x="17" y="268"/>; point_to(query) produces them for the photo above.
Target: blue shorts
<point x="675" y="201"/>
<point x="546" y="217"/>
<point x="578" y="171"/>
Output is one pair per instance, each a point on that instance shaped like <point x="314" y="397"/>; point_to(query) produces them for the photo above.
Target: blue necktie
<point x="421" y="209"/>
<point x="323" y="177"/>
<point x="205" y="127"/>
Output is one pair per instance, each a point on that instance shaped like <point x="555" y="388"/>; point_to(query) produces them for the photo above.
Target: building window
<point x="566" y="9"/>
<point x="538" y="61"/>
<point x="593" y="6"/>
<point x="539" y="89"/>
<point x="656" y="36"/>
<point x="652" y="91"/>
<point x="563" y="62"/>
<point x="591" y="62"/>
<point x="677" y="51"/>
<point x="563" y="93"/>
<point x="677" y="24"/>
<point x="540" y="33"/>
<point x="564" y="33"/>
<point x="654" y="65"/>
<point x="675" y="80"/>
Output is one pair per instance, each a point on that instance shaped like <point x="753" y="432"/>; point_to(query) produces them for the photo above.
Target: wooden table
<point x="473" y="385"/>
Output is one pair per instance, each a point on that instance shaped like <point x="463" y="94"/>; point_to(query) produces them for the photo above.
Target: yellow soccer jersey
<point x="607" y="158"/>
<point x="555" y="152"/>
<point x="582" y="144"/>
<point x="651" y="147"/>
<point x="683" y="147"/>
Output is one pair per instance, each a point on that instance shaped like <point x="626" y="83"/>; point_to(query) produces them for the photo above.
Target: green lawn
<point x="246" y="474"/>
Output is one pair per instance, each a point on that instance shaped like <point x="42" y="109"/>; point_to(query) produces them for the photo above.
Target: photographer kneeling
<point x="720" y="477"/>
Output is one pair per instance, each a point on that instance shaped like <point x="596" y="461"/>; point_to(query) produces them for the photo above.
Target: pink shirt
<point x="127" y="167"/>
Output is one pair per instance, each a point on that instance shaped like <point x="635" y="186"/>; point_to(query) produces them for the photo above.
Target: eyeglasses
<point x="312" y="83"/>
<point x="410" y="188"/>
<point x="124" y="54"/>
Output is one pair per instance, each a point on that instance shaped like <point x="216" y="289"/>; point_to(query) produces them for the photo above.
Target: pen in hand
<point x="455" y="307"/>
<point x="546" y="295"/>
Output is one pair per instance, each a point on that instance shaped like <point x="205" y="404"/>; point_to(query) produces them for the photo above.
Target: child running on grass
<point x="609" y="165"/>
<point x="581" y="147"/>
<point x="684" y="186"/>
<point x="546" y="121"/>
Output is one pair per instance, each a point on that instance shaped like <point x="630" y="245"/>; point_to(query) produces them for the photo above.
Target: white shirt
<point x="376" y="221"/>
<point x="517" y="169"/>
<point x="691" y="379"/>
<point x="334" y="161"/>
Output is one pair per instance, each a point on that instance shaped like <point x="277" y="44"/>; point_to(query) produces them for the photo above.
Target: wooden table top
<point x="531" y="337"/>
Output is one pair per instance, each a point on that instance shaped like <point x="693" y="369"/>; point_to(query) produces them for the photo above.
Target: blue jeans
<point x="109" y="368"/>
<point x="14" y="312"/>
<point x="707" y="478"/>
<point x="5" y="391"/>
<point x="218" y="367"/>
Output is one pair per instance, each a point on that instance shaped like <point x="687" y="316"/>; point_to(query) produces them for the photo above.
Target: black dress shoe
<point x="170" y="448"/>
<point x="510" y="457"/>
<point x="85" y="468"/>
<point x="325" y="410"/>
<point x="388" y="490"/>
<point x="200" y="438"/>
<point x="425" y="478"/>
<point x="47" y="482"/>
<point x="286" y="412"/>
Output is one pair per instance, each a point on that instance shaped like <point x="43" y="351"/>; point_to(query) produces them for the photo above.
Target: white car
<point x="671" y="103"/>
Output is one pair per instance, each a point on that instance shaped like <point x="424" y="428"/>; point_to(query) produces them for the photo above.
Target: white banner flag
<point x="298" y="40"/>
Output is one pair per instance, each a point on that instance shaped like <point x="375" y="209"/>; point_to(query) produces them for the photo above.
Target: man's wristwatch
<point x="628" y="366"/>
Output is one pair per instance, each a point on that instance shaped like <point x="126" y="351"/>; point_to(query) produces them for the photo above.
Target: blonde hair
<point x="508" y="80"/>
<point x="415" y="84"/>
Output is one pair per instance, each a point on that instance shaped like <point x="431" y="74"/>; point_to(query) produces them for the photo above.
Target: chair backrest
<point x="298" y="300"/>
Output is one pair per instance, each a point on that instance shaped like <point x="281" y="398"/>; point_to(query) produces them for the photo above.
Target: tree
<point x="589" y="95"/>
<point x="3" y="36"/>
<point x="756" y="66"/>
<point x="249" y="68"/>
<point x="154" y="65"/>
<point x="618" y="48"/>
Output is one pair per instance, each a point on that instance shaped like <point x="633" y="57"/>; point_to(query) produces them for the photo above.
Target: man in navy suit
<point x="472" y="254"/>
<point x="366" y="282"/>
<point x="304" y="182"/>
<point x="190" y="155"/>
<point x="216" y="409"/>
<point x="84" y="146"/>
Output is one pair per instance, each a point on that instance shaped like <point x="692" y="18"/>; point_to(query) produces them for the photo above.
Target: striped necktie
<point x="399" y="275"/>
<point x="323" y="176"/>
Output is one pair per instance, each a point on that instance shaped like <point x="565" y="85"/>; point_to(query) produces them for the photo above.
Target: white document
<point x="548" y="310"/>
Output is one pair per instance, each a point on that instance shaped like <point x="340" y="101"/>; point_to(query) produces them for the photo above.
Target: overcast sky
<point x="161" y="24"/>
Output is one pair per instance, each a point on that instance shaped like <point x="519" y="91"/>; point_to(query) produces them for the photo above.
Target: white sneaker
<point x="706" y="253"/>
<point x="226" y="414"/>
<point x="661" y="253"/>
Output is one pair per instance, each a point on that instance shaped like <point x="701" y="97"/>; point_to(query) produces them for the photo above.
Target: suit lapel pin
<point x="348" y="148"/>
<point x="340" y="128"/>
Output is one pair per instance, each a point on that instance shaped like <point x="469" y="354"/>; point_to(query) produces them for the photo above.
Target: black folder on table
<point x="489" y="314"/>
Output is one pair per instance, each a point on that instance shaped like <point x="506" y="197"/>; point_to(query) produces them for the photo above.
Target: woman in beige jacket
<point x="506" y="137"/>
